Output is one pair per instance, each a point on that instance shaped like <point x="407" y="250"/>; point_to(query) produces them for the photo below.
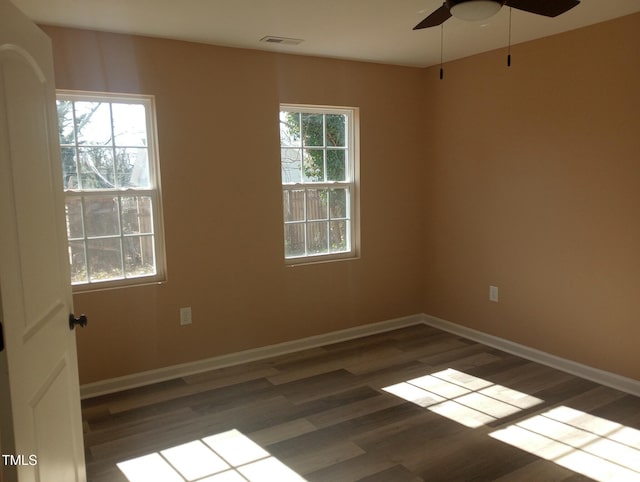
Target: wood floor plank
<point x="623" y="410"/>
<point x="397" y="473"/>
<point x="530" y="378"/>
<point x="318" y="386"/>
<point x="449" y="351"/>
<point x="231" y="375"/>
<point x="376" y="432"/>
<point x="485" y="458"/>
<point x="249" y="416"/>
<point x="353" y="410"/>
<point x="377" y="359"/>
<point x="361" y="467"/>
<point x="322" y="449"/>
<point x="324" y="413"/>
<point x="281" y="432"/>
<point x="539" y="470"/>
<point x="431" y="351"/>
<point x="135" y="425"/>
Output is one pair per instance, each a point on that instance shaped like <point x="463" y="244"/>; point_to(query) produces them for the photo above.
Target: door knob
<point x="73" y="321"/>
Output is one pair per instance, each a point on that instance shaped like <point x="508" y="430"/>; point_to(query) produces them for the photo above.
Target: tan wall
<point x="524" y="177"/>
<point x="534" y="186"/>
<point x="217" y="111"/>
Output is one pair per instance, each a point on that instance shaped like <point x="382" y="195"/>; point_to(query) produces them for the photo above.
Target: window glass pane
<point x="291" y="160"/>
<point x="139" y="259"/>
<point x="312" y="129"/>
<point x="69" y="168"/>
<point x="137" y="215"/>
<point x="338" y="203"/>
<point x="65" y="122"/>
<point x="336" y="128"/>
<point x="338" y="232"/>
<point x="75" y="228"/>
<point x="132" y="167"/>
<point x="96" y="168"/>
<point x="294" y="240"/>
<point x="105" y="259"/>
<point x="293" y="205"/>
<point x="336" y="165"/>
<point x="290" y="129"/>
<point x="317" y="239"/>
<point x="313" y="165"/>
<point x="317" y="204"/>
<point x="129" y="125"/>
<point x="78" y="262"/>
<point x="101" y="216"/>
<point x="93" y="123"/>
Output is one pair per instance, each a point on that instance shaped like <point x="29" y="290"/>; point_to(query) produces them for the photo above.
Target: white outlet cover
<point x="185" y="316"/>
<point x="493" y="293"/>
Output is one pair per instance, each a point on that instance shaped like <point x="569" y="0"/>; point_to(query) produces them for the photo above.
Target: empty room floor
<point x="411" y="404"/>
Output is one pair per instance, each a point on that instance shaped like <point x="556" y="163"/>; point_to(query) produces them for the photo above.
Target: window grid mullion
<point x="84" y="239"/>
<point x="317" y="185"/>
<point x="76" y="143"/>
<point x="328" y="231"/>
<point x="122" y="264"/>
<point x="108" y="192"/>
<point x="324" y="147"/>
<point x="113" y="146"/>
<point x="116" y="183"/>
<point x="306" y="224"/>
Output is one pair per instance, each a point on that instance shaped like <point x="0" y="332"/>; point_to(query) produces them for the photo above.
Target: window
<point x="319" y="174"/>
<point x="111" y="183"/>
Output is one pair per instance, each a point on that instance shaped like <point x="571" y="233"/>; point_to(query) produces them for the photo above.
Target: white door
<point x="42" y="426"/>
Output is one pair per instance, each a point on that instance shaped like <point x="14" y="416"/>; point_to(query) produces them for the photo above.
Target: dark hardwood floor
<point x="336" y="413"/>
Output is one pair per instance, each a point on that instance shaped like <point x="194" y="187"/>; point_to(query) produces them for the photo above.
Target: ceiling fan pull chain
<point x="441" y="50"/>
<point x="509" y="50"/>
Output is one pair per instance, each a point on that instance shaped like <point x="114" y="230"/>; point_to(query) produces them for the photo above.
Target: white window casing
<point x="111" y="177"/>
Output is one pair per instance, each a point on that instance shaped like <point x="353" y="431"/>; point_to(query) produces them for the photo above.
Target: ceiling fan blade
<point x="436" y="18"/>
<point x="548" y="8"/>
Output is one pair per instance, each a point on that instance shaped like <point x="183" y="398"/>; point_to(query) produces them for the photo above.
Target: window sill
<point x="322" y="259"/>
<point x="116" y="284"/>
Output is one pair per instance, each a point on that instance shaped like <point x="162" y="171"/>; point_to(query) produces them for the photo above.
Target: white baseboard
<point x="113" y="385"/>
<point x="628" y="385"/>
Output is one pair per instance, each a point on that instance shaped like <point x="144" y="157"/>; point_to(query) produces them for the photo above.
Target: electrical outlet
<point x="185" y="316"/>
<point x="493" y="293"/>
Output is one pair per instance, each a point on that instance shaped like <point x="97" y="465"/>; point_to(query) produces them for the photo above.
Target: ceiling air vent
<point x="270" y="39"/>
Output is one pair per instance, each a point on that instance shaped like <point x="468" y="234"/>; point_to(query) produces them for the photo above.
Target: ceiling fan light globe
<point x="474" y="10"/>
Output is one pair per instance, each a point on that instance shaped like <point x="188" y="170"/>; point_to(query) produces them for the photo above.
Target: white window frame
<point x="153" y="192"/>
<point x="352" y="183"/>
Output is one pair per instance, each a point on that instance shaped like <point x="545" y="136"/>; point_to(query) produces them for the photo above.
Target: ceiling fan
<point x="483" y="9"/>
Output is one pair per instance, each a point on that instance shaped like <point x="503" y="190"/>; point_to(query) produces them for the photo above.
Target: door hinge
<point x="1" y="337"/>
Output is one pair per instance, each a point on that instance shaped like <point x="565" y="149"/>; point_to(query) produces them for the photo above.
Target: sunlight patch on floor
<point x="592" y="446"/>
<point x="464" y="398"/>
<point x="225" y="457"/>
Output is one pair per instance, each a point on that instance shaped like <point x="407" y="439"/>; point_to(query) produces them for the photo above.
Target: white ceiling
<point x="369" y="30"/>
